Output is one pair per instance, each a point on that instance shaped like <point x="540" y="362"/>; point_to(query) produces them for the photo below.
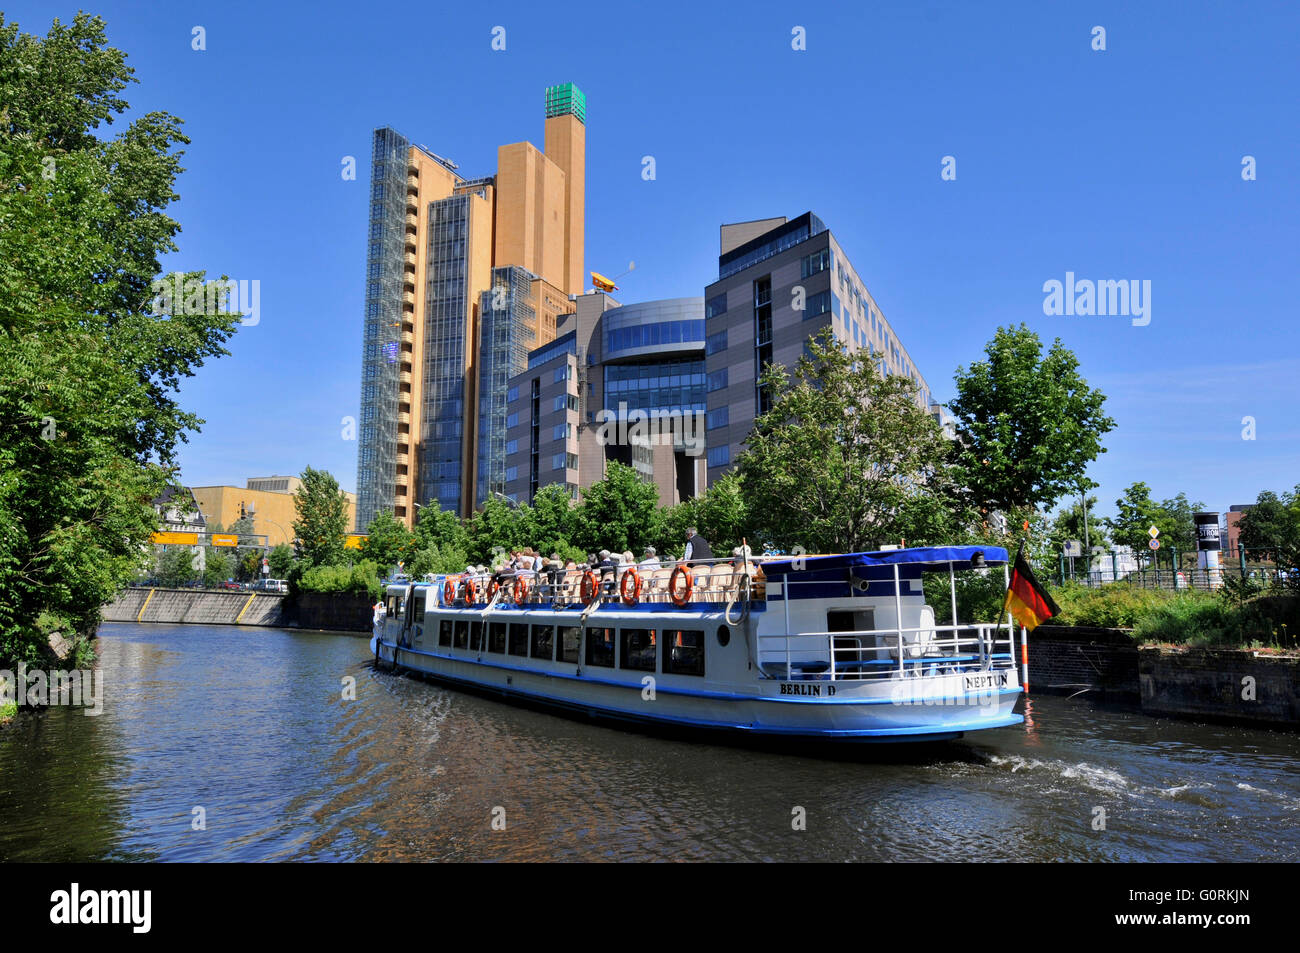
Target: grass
<point x="1193" y="618"/>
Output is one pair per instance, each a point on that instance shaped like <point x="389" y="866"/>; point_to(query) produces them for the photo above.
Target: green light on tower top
<point x="566" y="100"/>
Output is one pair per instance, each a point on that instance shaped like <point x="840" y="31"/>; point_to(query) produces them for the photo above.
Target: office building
<point x="267" y="501"/>
<point x="780" y="281"/>
<point x="619" y="382"/>
<point x="464" y="276"/>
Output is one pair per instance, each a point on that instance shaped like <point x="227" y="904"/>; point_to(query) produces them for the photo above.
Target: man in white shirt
<point x="650" y="562"/>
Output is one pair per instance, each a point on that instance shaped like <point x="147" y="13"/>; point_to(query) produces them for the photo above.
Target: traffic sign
<point x="1073" y="548"/>
<point x="1153" y="533"/>
<point x="1154" y="544"/>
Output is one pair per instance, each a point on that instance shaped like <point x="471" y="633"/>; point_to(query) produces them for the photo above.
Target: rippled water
<point x="250" y="725"/>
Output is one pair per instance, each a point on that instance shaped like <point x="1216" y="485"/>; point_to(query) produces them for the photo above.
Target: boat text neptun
<point x="840" y="647"/>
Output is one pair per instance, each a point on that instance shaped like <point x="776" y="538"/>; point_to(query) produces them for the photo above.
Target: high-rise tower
<point x="463" y="277"/>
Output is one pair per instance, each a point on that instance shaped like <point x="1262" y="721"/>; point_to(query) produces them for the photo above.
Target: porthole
<point x="724" y="635"/>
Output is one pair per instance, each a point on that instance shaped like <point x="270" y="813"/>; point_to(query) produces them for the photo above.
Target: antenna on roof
<point x="447" y="162"/>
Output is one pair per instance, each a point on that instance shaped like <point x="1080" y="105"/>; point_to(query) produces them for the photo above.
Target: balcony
<point x="408" y="297"/>
<point x="403" y="460"/>
<point x="405" y="376"/>
<point x="412" y="221"/>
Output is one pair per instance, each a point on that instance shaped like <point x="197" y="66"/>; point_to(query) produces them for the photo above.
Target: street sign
<point x="266" y="570"/>
<point x="222" y="539"/>
<point x="1153" y="533"/>
<point x="1073" y="548"/>
<point x="1154" y="544"/>
<point x="182" y="539"/>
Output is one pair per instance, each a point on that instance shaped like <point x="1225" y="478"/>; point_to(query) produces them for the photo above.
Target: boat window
<point x="497" y="637"/>
<point x="543" y="636"/>
<point x="684" y="654"/>
<point x="569" y="644"/>
<point x="724" y="636"/>
<point x="600" y="647"/>
<point x="444" y="632"/>
<point x="518" y="638"/>
<point x="419" y="606"/>
<point x="850" y="620"/>
<point x="391" y="606"/>
<point x="476" y="636"/>
<point x="460" y="634"/>
<point x="637" y="649"/>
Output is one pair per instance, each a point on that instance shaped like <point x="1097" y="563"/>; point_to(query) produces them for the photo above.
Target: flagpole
<point x="1006" y="600"/>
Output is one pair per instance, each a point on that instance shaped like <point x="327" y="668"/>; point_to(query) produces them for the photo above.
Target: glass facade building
<point x="381" y="354"/>
<point x="506" y="335"/>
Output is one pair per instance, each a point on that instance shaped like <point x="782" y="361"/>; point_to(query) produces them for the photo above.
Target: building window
<point x="562" y="373"/>
<point x="720" y="456"/>
<point x="717" y="380"/>
<point x="562" y="431"/>
<point x="512" y="474"/>
<point x="512" y="394"/>
<point x="684" y="652"/>
<point x="715" y="343"/>
<point x="715" y="306"/>
<point x="512" y="420"/>
<point x="817" y="261"/>
<point x="512" y="446"/>
<point x="558" y="461"/>
<point x="717" y="418"/>
<point x="817" y="304"/>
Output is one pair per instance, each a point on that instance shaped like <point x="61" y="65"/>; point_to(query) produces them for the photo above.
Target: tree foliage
<point x="617" y="513"/>
<point x="846" y="459"/>
<point x="1137" y="513"/>
<point x="1273" y="523"/>
<point x="1028" y="424"/>
<point x="321" y="526"/>
<point x="88" y="374"/>
<point x="387" y="542"/>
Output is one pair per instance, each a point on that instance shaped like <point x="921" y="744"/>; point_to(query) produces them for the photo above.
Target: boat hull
<point x="844" y="711"/>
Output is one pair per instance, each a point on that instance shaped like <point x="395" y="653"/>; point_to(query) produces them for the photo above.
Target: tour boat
<point x="833" y="647"/>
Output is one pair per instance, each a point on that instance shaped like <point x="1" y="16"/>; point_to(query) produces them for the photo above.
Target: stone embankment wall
<point x="197" y="605"/>
<point x="347" y="612"/>
<point x="1213" y="684"/>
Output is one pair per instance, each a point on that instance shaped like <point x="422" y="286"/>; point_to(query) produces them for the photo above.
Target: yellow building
<point x="272" y="511"/>
<point x="463" y="278"/>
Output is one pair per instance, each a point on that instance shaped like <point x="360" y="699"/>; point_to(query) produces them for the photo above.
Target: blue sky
<point x="1122" y="164"/>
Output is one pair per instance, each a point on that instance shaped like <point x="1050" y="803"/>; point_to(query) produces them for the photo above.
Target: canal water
<point x="236" y="744"/>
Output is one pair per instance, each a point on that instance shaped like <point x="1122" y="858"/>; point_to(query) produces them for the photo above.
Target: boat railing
<point x="711" y="581"/>
<point x="900" y="652"/>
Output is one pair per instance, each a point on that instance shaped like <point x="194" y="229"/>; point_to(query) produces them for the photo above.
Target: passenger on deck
<point x="697" y="548"/>
<point x="649" y="562"/>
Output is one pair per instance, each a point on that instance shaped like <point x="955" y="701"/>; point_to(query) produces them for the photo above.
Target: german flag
<point x="1027" y="601"/>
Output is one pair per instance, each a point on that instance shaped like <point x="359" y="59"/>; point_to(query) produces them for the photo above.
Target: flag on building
<point x="602" y="283"/>
<point x="1027" y="601"/>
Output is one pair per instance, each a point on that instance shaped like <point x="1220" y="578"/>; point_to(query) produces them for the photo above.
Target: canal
<point x="220" y="743"/>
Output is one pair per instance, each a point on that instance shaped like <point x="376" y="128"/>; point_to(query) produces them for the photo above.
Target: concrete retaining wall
<point x="339" y="611"/>
<point x="1065" y="659"/>
<point x="1220" y="684"/>
<point x="197" y="605"/>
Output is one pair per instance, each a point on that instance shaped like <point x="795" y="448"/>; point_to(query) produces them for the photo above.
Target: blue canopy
<point x="922" y="554"/>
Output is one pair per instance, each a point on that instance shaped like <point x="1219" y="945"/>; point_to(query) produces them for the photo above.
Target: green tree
<point x="438" y="527"/>
<point x="387" y="542"/>
<point x="550" y="523"/>
<point x="1028" y="424"/>
<point x="88" y="369"/>
<point x="321" y="526"/>
<point x="498" y="525"/>
<point x="176" y="567"/>
<point x="720" y="514"/>
<point x="1273" y="523"/>
<point x="846" y="459"/>
<point x="1137" y="513"/>
<point x="217" y="569"/>
<point x="250" y="565"/>
<point x="618" y="512"/>
<point x="280" y="560"/>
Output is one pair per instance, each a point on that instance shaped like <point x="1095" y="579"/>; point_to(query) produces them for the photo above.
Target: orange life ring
<point x="590" y="586"/>
<point x="636" y="587"/>
<point x="471" y="592"/>
<point x="680" y="572"/>
<point x="520" y="590"/>
<point x="449" y="592"/>
<point x="492" y="588"/>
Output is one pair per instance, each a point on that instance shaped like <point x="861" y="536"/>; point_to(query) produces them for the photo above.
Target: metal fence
<point x="1179" y="570"/>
